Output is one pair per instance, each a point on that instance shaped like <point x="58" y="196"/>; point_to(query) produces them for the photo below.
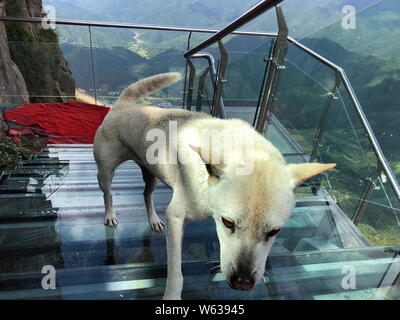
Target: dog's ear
<point x="211" y="159"/>
<point x="302" y="171"/>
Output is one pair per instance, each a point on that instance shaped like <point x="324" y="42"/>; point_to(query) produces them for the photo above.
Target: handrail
<point x="243" y="19"/>
<point x="102" y="24"/>
<point x="312" y="53"/>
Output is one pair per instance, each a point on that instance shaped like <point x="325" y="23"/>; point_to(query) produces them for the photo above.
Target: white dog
<point x="216" y="168"/>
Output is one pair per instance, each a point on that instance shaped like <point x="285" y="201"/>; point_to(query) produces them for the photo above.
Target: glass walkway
<point x="51" y="213"/>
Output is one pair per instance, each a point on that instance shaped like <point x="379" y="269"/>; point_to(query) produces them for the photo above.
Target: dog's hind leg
<point x="104" y="177"/>
<point x="107" y="159"/>
<point x="150" y="181"/>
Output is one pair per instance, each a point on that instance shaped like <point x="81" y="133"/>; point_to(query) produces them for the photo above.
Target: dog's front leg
<point x="175" y="226"/>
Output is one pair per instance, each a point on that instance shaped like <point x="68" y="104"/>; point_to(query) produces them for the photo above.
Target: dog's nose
<point x="241" y="283"/>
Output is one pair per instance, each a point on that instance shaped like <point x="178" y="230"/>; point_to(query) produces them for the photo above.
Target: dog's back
<point x="127" y="124"/>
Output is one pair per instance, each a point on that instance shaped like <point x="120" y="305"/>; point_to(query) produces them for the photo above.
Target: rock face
<point x="12" y="84"/>
<point x="36" y="54"/>
<point x="2" y="129"/>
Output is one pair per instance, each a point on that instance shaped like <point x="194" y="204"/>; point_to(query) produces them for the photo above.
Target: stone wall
<point x="2" y="129"/>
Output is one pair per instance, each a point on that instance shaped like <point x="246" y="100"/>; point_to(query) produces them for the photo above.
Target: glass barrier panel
<point x="342" y="144"/>
<point x="245" y="75"/>
<point x="118" y="66"/>
<point x="303" y="90"/>
<point x="380" y="222"/>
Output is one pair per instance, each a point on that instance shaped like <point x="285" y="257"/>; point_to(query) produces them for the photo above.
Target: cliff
<point x="34" y="56"/>
<point x="12" y="84"/>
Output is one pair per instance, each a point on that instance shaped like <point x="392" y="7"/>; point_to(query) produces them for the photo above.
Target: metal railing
<point x="103" y="24"/>
<point x="232" y="29"/>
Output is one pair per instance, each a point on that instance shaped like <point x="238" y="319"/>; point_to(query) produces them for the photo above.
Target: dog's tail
<point x="148" y="85"/>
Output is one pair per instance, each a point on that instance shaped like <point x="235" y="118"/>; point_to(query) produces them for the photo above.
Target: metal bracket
<point x="363" y="202"/>
<point x="276" y="65"/>
<point x="333" y="95"/>
<point x="280" y="67"/>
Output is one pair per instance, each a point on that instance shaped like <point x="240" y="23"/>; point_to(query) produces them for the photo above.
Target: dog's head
<point x="250" y="210"/>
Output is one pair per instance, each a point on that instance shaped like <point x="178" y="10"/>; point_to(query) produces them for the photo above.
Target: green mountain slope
<point x="116" y="67"/>
<point x="111" y="66"/>
<point x="377" y="32"/>
<point x="304" y="18"/>
<point x="200" y="13"/>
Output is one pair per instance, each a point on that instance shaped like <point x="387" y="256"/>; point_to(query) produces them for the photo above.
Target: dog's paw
<point x="110" y="220"/>
<point x="171" y="297"/>
<point x="156" y="224"/>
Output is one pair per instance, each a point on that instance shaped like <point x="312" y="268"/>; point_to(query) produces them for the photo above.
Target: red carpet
<point x="69" y="123"/>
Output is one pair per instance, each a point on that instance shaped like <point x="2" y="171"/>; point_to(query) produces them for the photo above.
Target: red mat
<point x="69" y="123"/>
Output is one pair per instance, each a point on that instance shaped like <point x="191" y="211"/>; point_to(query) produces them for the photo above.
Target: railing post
<point x="186" y="69"/>
<point x="92" y="64"/>
<point x="267" y="60"/>
<point x="324" y="119"/>
<point x="275" y="66"/>
<point x="192" y="74"/>
<point x="200" y="89"/>
<point x="218" y="110"/>
<point x="214" y="77"/>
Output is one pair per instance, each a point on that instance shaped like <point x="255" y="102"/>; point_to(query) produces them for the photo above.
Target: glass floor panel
<point x="51" y="213"/>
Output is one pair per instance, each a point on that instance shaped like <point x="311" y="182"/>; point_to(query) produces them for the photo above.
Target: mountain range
<point x="305" y="18"/>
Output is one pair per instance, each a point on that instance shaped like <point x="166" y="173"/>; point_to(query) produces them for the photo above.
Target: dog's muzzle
<point x="241" y="282"/>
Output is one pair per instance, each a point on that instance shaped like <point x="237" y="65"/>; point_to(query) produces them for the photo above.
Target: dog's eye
<point x="271" y="234"/>
<point x="228" y="224"/>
